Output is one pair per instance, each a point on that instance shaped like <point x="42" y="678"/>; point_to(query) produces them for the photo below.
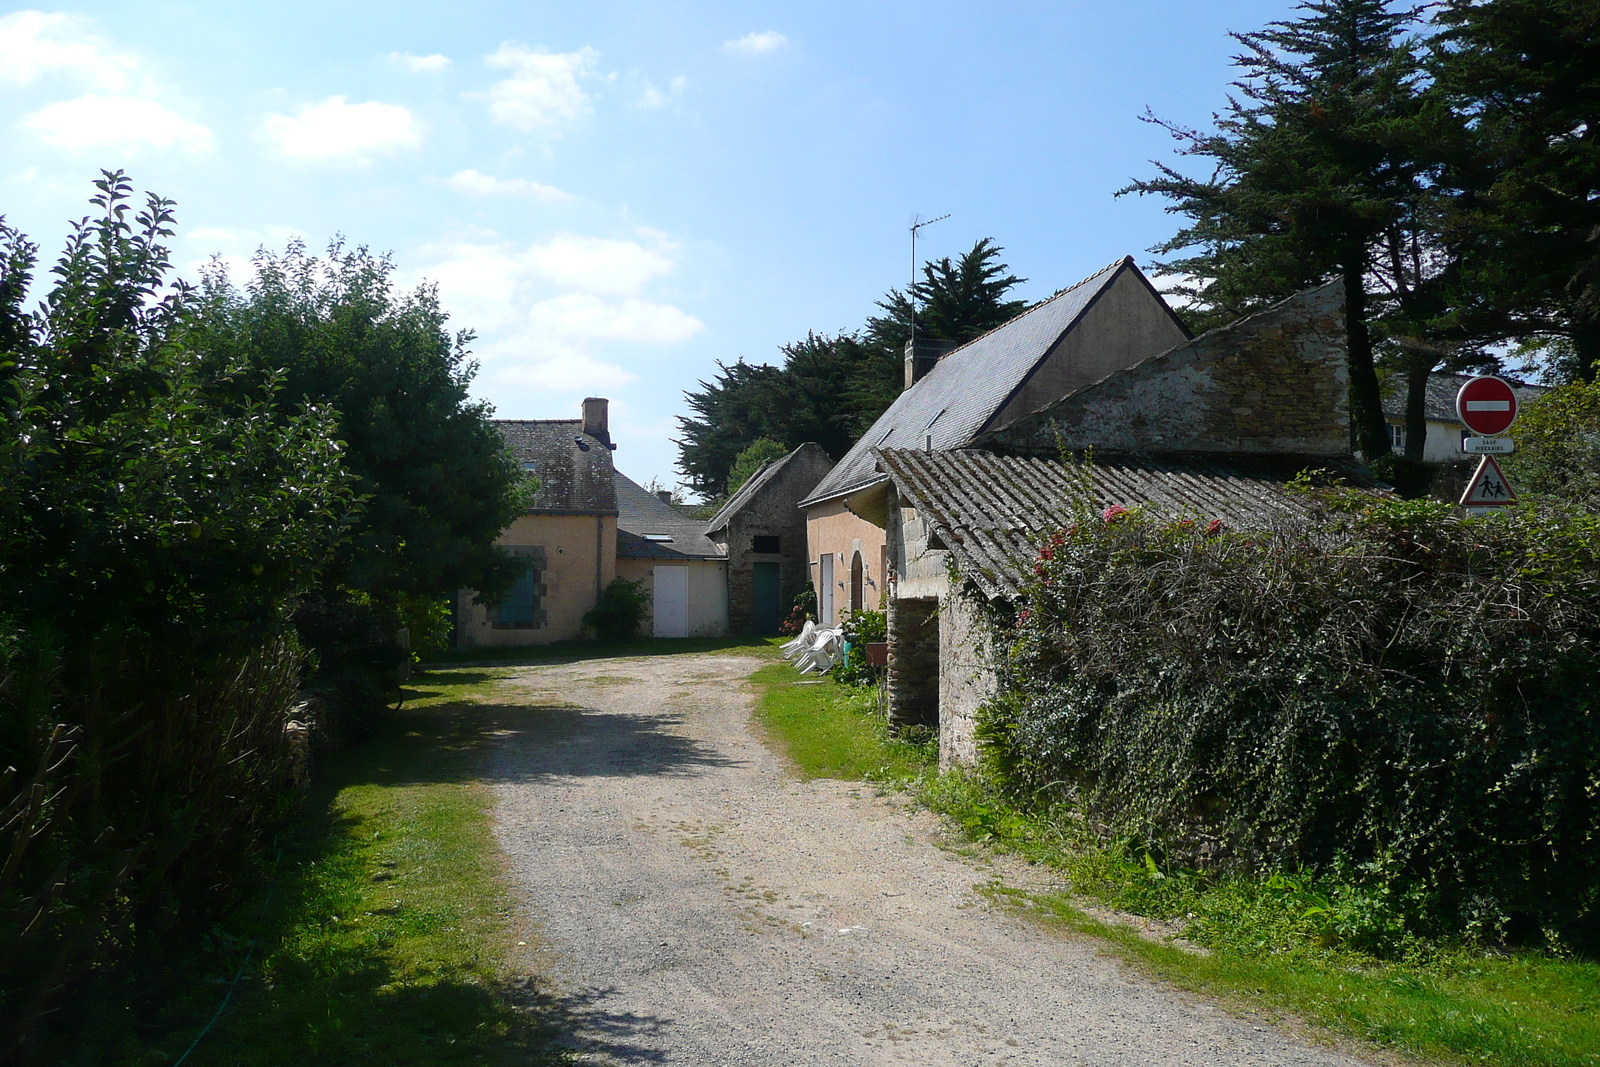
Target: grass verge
<point x="388" y="936"/>
<point x="1262" y="945"/>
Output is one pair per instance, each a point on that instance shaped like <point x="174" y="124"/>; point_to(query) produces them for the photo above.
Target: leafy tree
<point x="438" y="482"/>
<point x="1327" y="165"/>
<point x="1525" y="74"/>
<point x="831" y="388"/>
<point x="762" y="450"/>
<point x="1558" y="445"/>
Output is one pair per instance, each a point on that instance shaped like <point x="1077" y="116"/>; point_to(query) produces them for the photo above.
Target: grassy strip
<point x="1443" y="1002"/>
<point x="835" y="731"/>
<point x="570" y="651"/>
<point x="389" y="937"/>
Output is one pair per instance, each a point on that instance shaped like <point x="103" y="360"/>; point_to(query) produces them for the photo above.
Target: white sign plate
<point x="1487" y="446"/>
<point x="1488" y="488"/>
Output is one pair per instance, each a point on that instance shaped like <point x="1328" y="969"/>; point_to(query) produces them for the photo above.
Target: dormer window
<point x="659" y="538"/>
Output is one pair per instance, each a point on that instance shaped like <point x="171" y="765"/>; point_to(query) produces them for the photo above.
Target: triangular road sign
<point x="1488" y="488"/>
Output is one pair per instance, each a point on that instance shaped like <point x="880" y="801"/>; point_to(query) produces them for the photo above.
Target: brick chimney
<point x="597" y="419"/>
<point x="928" y="353"/>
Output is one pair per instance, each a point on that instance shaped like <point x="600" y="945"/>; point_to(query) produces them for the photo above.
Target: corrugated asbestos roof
<point x="993" y="511"/>
<point x="644" y="519"/>
<point x="1442" y="389"/>
<point x="965" y="389"/>
<point x="573" y="468"/>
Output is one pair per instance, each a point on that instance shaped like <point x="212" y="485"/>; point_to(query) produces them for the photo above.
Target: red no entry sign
<point x="1487" y="405"/>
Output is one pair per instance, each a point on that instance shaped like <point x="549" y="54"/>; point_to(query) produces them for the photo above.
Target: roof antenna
<point x="917" y="223"/>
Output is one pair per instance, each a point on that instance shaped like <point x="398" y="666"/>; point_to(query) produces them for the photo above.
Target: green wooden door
<point x="766" y="610"/>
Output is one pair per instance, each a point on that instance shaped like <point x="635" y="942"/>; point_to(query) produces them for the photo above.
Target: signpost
<point x="1487" y="406"/>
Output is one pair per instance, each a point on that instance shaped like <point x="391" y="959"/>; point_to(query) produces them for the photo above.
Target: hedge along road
<point x="703" y="906"/>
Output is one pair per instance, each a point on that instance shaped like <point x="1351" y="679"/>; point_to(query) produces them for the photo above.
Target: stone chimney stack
<point x="664" y="495"/>
<point x="928" y="353"/>
<point x="597" y="419"/>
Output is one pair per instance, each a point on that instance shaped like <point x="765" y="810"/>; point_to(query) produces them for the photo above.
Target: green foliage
<point x="833" y="731"/>
<point x="747" y="464"/>
<point x="1387" y="683"/>
<point x="859" y="628"/>
<point x="1558" y="446"/>
<point x="159" y="514"/>
<point x="438" y="481"/>
<point x="802" y="609"/>
<point x="1524" y="72"/>
<point x="832" y="387"/>
<point x="620" y="612"/>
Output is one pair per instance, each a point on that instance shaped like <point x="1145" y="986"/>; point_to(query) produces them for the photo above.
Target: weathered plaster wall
<point x="708" y="592"/>
<point x="569" y="543"/>
<point x="967" y="676"/>
<point x="831" y="527"/>
<point x="1276" y="382"/>
<point x="1128" y="323"/>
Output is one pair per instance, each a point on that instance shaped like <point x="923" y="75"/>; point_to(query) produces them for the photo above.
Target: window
<point x="764" y="543"/>
<point x="522" y="607"/>
<point x="1397" y="437"/>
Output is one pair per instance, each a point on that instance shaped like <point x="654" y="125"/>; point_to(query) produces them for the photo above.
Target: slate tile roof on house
<point x="993" y="511"/>
<point x="956" y="400"/>
<point x="1440" y="405"/>
<point x="650" y="528"/>
<point x="573" y="468"/>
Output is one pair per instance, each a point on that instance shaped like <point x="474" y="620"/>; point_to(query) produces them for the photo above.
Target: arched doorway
<point x="855" y="582"/>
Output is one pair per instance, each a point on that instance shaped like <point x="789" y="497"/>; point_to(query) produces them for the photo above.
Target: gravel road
<point x="701" y="905"/>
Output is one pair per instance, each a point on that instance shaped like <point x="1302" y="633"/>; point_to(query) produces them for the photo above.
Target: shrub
<point x="1384" y="684"/>
<point x="803" y="609"/>
<point x="620" y="612"/>
<point x="859" y="628"/>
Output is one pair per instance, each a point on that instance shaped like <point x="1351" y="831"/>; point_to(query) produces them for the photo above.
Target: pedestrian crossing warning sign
<point x="1488" y="488"/>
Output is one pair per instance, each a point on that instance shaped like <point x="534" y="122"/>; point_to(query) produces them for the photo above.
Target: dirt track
<point x="703" y="906"/>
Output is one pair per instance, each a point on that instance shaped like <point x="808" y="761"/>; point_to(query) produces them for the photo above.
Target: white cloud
<point x="754" y="44"/>
<point x="651" y="97"/>
<point x="125" y="123"/>
<point x="547" y="313"/>
<point x="542" y="91"/>
<point x="596" y="264"/>
<point x="336" y="131"/>
<point x="471" y="181"/>
<point x="34" y="44"/>
<point x="433" y="63"/>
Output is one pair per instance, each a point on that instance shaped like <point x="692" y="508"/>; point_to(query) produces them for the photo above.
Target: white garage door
<point x="672" y="601"/>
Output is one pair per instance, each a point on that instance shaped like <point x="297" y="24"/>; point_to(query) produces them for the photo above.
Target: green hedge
<point x="1384" y="687"/>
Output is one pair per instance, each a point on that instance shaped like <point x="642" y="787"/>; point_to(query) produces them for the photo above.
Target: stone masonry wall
<point x="913" y="680"/>
<point x="1274" y="383"/>
<point x="967" y="677"/>
<point x="773" y="512"/>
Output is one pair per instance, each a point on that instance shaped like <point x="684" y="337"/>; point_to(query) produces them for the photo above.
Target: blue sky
<point x="616" y="195"/>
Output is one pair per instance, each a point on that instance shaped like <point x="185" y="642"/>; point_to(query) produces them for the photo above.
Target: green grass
<point x="835" y="731"/>
<point x="388" y="936"/>
<point x="1440" y="1002"/>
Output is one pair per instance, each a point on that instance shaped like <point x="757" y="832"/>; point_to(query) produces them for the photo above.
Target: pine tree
<point x="1326" y="165"/>
<point x="1525" y="74"/>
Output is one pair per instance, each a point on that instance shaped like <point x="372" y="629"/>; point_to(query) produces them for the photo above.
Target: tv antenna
<point x="917" y="223"/>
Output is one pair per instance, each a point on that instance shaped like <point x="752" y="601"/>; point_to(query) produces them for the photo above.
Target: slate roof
<point x="573" y="468"/>
<point x="992" y="511"/>
<point x="956" y="400"/>
<point x="641" y="513"/>
<point x="1441" y="402"/>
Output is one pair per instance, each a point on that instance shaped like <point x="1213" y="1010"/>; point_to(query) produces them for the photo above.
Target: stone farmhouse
<point x="590" y="523"/>
<point x="1210" y="427"/>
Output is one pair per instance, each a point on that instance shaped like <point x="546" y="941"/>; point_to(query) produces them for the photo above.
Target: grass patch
<point x="837" y="731"/>
<point x="1266" y="953"/>
<point x="570" y="651"/>
<point x="388" y="936"/>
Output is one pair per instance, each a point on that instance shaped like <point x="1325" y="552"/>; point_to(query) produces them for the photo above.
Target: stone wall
<point x="967" y="676"/>
<point x="772" y="511"/>
<point x="1273" y="383"/>
<point x="913" y="681"/>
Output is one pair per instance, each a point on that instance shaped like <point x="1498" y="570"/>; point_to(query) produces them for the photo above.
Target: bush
<point x="1384" y="685"/>
<point x="803" y="609"/>
<point x="860" y="627"/>
<point x="620" y="612"/>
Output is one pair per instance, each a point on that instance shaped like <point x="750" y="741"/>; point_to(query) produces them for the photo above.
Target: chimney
<point x="928" y="352"/>
<point x="596" y="420"/>
<point x="664" y="495"/>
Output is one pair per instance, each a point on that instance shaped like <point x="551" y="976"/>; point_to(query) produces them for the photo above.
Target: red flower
<point x="1113" y="511"/>
<point x="1214" y="527"/>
